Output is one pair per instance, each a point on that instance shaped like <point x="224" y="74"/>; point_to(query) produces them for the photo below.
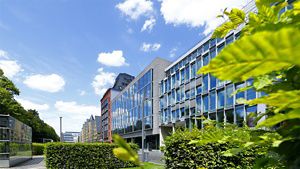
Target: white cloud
<point x="73" y="107"/>
<point x="10" y="67"/>
<point x="3" y="54"/>
<point x="50" y="83"/>
<point x="136" y="8"/>
<point x="148" y="25"/>
<point x="31" y="105"/>
<point x="115" y="58"/>
<point x="196" y="13"/>
<point x="102" y="81"/>
<point x="173" y="52"/>
<point x="146" y="47"/>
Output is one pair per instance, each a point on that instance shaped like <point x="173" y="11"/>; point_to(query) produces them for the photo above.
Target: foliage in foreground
<point x="8" y="105"/>
<point x="148" y="166"/>
<point x="210" y="147"/>
<point x="268" y="52"/>
<point x="84" y="156"/>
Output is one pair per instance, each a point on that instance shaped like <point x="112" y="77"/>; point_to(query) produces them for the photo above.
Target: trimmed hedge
<point x="38" y="148"/>
<point x="83" y="156"/>
<point x="181" y="154"/>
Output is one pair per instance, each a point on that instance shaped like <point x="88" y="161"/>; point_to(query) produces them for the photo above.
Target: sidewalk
<point x="37" y="162"/>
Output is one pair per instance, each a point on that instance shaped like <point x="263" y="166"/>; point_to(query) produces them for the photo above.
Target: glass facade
<point x="205" y="94"/>
<point x="15" y="141"/>
<point x="127" y="108"/>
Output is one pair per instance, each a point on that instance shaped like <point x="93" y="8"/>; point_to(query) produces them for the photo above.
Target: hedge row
<point x="83" y="156"/>
<point x="181" y="154"/>
<point x="38" y="148"/>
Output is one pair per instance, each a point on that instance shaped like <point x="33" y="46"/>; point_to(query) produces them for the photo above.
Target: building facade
<point x="140" y="97"/>
<point x="185" y="96"/>
<point x="71" y="137"/>
<point x="121" y="82"/>
<point x="90" y="132"/>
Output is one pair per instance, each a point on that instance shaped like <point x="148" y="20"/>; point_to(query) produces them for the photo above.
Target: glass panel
<point x="193" y="94"/>
<point x="212" y="52"/>
<point x="178" y="95"/>
<point x="213" y="82"/>
<point x="193" y="111"/>
<point x="229" y="116"/>
<point x="3" y="121"/>
<point x="199" y="123"/>
<point x="199" y="89"/>
<point x="220" y="47"/>
<point x="182" y="74"/>
<point x="4" y="134"/>
<point x="187" y="94"/>
<point x="228" y="97"/>
<point x="212" y="116"/>
<point x="212" y="42"/>
<point x="240" y="94"/>
<point x="212" y="101"/>
<point x="206" y="46"/>
<point x="187" y="72"/>
<point x="205" y="103"/>
<point x="220" y="116"/>
<point x="205" y="59"/>
<point x="205" y="84"/>
<point x="221" y="99"/>
<point x="193" y="70"/>
<point x="198" y="104"/>
<point x="182" y="112"/>
<point x="250" y="120"/>
<point x="229" y="39"/>
<point x="198" y="64"/>
<point x="239" y="111"/>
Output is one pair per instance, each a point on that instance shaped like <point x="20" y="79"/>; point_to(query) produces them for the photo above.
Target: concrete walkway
<point x="37" y="162"/>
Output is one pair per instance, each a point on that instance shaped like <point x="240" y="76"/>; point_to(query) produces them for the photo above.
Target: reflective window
<point x="229" y="39"/>
<point x="177" y="81"/>
<point x="182" y="74"/>
<point x="228" y="97"/>
<point x="220" y="116"/>
<point x="199" y="89"/>
<point x="187" y="112"/>
<point x="198" y="64"/>
<point x="221" y="99"/>
<point x="205" y="103"/>
<point x="212" y="52"/>
<point x="182" y="112"/>
<point x="229" y="116"/>
<point x="251" y="120"/>
<point x="193" y="94"/>
<point x="219" y="40"/>
<point x="178" y="94"/>
<point x="193" y="111"/>
<point x="198" y="104"/>
<point x="212" y="101"/>
<point x="213" y="82"/>
<point x="205" y="46"/>
<point x="239" y="111"/>
<point x="212" y="116"/>
<point x="182" y="94"/>
<point x="173" y="97"/>
<point x="193" y="70"/>
<point x="173" y="81"/>
<point x="220" y="47"/>
<point x="187" y="94"/>
<point x="212" y="42"/>
<point x="187" y="72"/>
<point x="205" y="59"/>
<point x="251" y="94"/>
<point x="239" y="94"/>
<point x="205" y="83"/>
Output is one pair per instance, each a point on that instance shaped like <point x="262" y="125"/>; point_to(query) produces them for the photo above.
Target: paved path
<point x="37" y="162"/>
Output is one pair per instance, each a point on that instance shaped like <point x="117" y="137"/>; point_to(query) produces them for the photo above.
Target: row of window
<point x="237" y="115"/>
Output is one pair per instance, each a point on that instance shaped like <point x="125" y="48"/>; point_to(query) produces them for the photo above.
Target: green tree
<point x="8" y="105"/>
<point x="268" y="51"/>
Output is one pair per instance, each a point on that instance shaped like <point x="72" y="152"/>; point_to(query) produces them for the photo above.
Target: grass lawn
<point x="149" y="166"/>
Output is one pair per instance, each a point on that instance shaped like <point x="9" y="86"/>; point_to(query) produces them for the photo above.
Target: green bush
<point x="83" y="156"/>
<point x="208" y="149"/>
<point x="38" y="148"/>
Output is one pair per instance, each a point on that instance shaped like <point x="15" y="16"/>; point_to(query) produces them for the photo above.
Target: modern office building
<point x="70" y="137"/>
<point x="140" y="97"/>
<point x="15" y="141"/>
<point x="91" y="130"/>
<point x="186" y="95"/>
<point x="121" y="82"/>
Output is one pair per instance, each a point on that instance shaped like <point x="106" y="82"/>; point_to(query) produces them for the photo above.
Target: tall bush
<point x="38" y="148"/>
<point x="209" y="148"/>
<point x="83" y="156"/>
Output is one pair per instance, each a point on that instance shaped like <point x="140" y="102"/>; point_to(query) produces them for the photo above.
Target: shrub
<point x="38" y="148"/>
<point x="208" y="149"/>
<point x="83" y="156"/>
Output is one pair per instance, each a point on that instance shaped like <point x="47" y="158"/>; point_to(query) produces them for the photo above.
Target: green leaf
<point x="262" y="81"/>
<point x="237" y="16"/>
<point x="278" y="118"/>
<point x="281" y="100"/>
<point x="255" y="55"/>
<point x="223" y="30"/>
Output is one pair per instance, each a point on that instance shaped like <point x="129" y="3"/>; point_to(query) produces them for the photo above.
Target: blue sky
<point x="63" y="54"/>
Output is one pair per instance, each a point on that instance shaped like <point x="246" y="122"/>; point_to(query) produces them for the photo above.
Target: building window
<point x="193" y="94"/>
<point x="187" y="72"/>
<point x="173" y="97"/>
<point x="229" y="116"/>
<point x="205" y="59"/>
<point x="221" y="99"/>
<point x="182" y="94"/>
<point x="205" y="103"/>
<point x="206" y="46"/>
<point x="193" y="111"/>
<point x="193" y="70"/>
<point x="251" y="120"/>
<point x="229" y="39"/>
<point x="182" y="112"/>
<point x="198" y="104"/>
<point x="199" y="89"/>
<point x="212" y="116"/>
<point x="212" y="101"/>
<point x="173" y="81"/>
<point x="212" y="42"/>
<point x="239" y="111"/>
<point x="212" y="52"/>
<point x="198" y="64"/>
<point x="220" y="116"/>
<point x="228" y="96"/>
<point x="239" y="95"/>
<point x="187" y="94"/>
<point x="187" y="113"/>
<point x="205" y="84"/>
<point x="182" y="74"/>
<point x="213" y="82"/>
<point x="178" y="95"/>
<point x="177" y="82"/>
